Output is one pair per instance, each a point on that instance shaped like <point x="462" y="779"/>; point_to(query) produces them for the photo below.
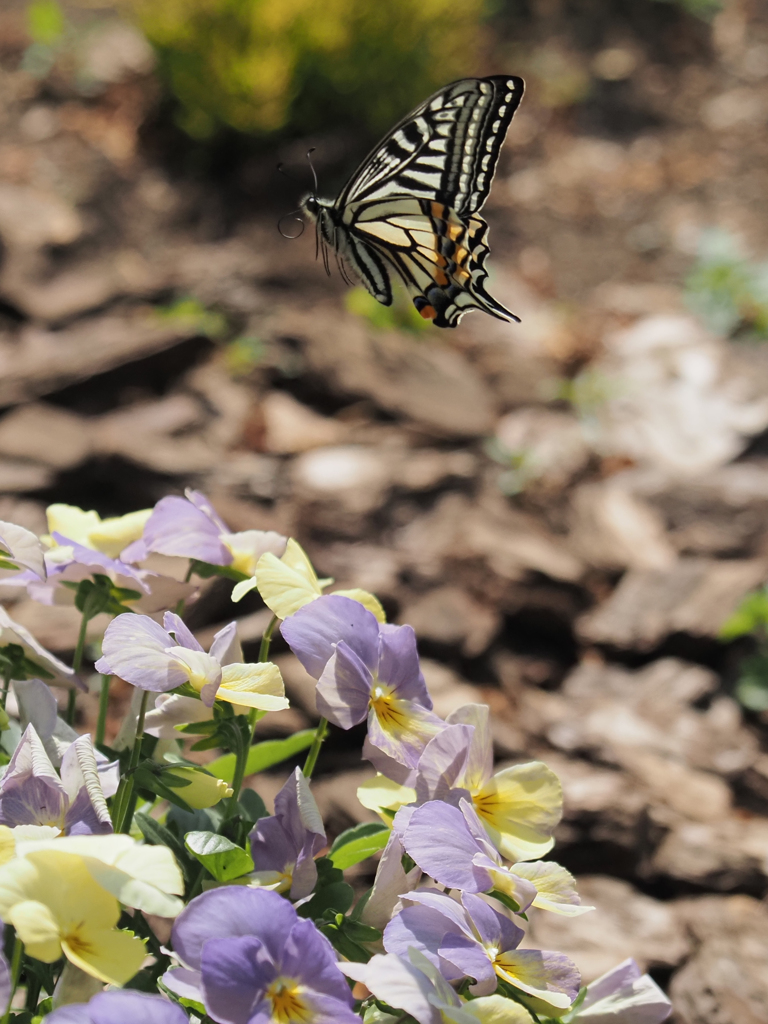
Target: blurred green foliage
<point x="244" y="354"/>
<point x="45" y="21"/>
<point x="520" y="467"/>
<point x="402" y="315"/>
<point x="751" y="619"/>
<point x="701" y="8"/>
<point x="726" y="290"/>
<point x="190" y="313"/>
<point x="260" y="66"/>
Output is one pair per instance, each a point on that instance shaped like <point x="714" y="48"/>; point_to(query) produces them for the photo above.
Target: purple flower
<point x="252" y="960"/>
<point x="14" y="633"/>
<point x="31" y="792"/>
<point x="365" y="670"/>
<point x="20" y="549"/>
<point x="120" y="1007"/>
<point x="471" y="940"/>
<point x="450" y="844"/>
<point x="623" y="996"/>
<point x="190" y="528"/>
<point x="391" y="882"/>
<point x="139" y="650"/>
<point x="284" y="846"/>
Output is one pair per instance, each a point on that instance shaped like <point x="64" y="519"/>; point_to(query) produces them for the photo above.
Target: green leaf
<point x="262" y="755"/>
<point x="218" y="855"/>
<point x="158" y="835"/>
<point x="752" y="687"/>
<point x="205" y="570"/>
<point x="358" y="843"/>
<point x="751" y="613"/>
<point x="506" y="900"/>
<point x="252" y="805"/>
<point x="338" y="896"/>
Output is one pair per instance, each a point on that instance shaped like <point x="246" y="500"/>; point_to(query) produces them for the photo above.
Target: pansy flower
<point x="472" y="940"/>
<point x="250" y="959"/>
<point x="450" y="844"/>
<point x="623" y="994"/>
<point x="139" y="650"/>
<point x="190" y="527"/>
<point x="365" y="670"/>
<point x="120" y="1007"/>
<point x="32" y="793"/>
<point x="284" y="845"/>
<point x="20" y="549"/>
<point x="22" y="657"/>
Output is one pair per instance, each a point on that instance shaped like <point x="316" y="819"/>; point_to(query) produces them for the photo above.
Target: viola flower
<point x="450" y="844"/>
<point x="20" y="549"/>
<point x="250" y="959"/>
<point x="471" y="940"/>
<point x="189" y="527"/>
<point x="204" y="790"/>
<point x="174" y="709"/>
<point x="137" y="649"/>
<point x="21" y="654"/>
<point x="365" y="670"/>
<point x="120" y="1007"/>
<point x="289" y="582"/>
<point x="284" y="846"/>
<point x="144" y="877"/>
<point x="110" y="536"/>
<point x="519" y="806"/>
<point x="31" y="792"/>
<point x="622" y="994"/>
<point x="417" y="987"/>
<point x="390" y="884"/>
<point x="56" y="907"/>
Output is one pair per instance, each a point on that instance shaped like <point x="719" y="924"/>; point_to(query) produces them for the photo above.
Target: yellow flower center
<point x="487" y="805"/>
<point x="288" y="1006"/>
<point x="388" y="708"/>
<point x="75" y="941"/>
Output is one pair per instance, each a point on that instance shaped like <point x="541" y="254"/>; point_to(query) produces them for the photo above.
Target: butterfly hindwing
<point x="446" y="149"/>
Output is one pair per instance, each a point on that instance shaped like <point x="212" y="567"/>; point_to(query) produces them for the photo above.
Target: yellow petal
<point x="529" y="974"/>
<point x="112" y="535"/>
<point x="367" y="600"/>
<point x="520" y="807"/>
<point x="256" y="685"/>
<point x="37" y="928"/>
<point x="288" y="583"/>
<point x="497" y="1010"/>
<point x="7" y="844"/>
<point x="381" y="793"/>
<point x="203" y="791"/>
<point x="110" y="955"/>
<point x="72" y="522"/>
<point x="556" y="887"/>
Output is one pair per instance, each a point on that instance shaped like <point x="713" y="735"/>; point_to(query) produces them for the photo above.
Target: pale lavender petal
<point x="494" y="929"/>
<point x="314" y="630"/>
<point x="388" y="766"/>
<point x="179" y="527"/>
<point x="622" y="976"/>
<point x="184" y="983"/>
<point x="439" y="840"/>
<point x="97" y="560"/>
<point x="231" y="911"/>
<point x="137" y="551"/>
<point x="455" y="917"/>
<point x="624" y="994"/>
<point x="75" y="1013"/>
<point x="226" y="648"/>
<point x="31" y="792"/>
<point x="442" y="765"/>
<point x="344" y="688"/>
<point x="23" y="548"/>
<point x="272" y="848"/>
<point x="309" y="957"/>
<point x="480" y="756"/>
<point x="398" y="664"/>
<point x="134" y="648"/>
<point x="128" y="1007"/>
<point x="87" y="813"/>
<point x="236" y="972"/>
<point x="465" y="955"/>
<point x="200" y="501"/>
<point x="403" y="736"/>
<point x="173" y="623"/>
<point x="391" y="882"/>
<point x="424" y="929"/>
<point x="14" y="633"/>
<point x="398" y="983"/>
<point x="542" y="973"/>
<point x="328" y="1010"/>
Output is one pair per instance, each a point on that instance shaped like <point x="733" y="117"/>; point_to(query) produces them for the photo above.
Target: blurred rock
<point x="244" y="474"/>
<point x="300" y="687"/>
<point x="45" y="434"/>
<point x="229" y="401"/>
<point x="56" y="626"/>
<point x="625" y="923"/>
<point x="292" y="427"/>
<point x="725" y="979"/>
<point x="428" y="383"/>
<point x="359" y="565"/>
<point x="114" y="51"/>
<point x="722" y="855"/>
<point x="449" y="615"/>
<point x="613" y="529"/>
<point x="31" y="219"/>
<point x="21" y="477"/>
<point x="28" y="514"/>
<point x="250" y="628"/>
<point x="144" y="433"/>
<point x="696" y="595"/>
<point x="446" y="688"/>
<point x="337" y="799"/>
<point x="550" y="444"/>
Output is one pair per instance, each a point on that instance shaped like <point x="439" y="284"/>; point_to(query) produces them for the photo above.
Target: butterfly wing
<point x="446" y="149"/>
<point x="439" y="255"/>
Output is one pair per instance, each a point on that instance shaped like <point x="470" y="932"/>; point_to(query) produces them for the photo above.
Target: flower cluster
<point x="132" y="863"/>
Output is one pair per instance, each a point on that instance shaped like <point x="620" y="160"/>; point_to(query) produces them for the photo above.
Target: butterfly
<point x="412" y="205"/>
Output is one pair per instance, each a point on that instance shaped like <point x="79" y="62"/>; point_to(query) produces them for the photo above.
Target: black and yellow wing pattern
<point x="412" y="205"/>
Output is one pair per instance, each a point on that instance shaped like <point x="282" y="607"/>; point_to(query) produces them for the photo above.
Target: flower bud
<point x="203" y="791"/>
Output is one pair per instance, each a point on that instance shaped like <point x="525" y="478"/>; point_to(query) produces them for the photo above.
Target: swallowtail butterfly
<point x="412" y="205"/>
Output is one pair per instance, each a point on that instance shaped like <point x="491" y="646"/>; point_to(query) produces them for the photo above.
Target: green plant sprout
<point x="190" y="312"/>
<point x="400" y="316"/>
<point x="727" y="291"/>
<point x="751" y="619"/>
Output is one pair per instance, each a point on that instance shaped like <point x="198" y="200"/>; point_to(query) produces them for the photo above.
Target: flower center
<point x="388" y="708"/>
<point x="288" y="1007"/>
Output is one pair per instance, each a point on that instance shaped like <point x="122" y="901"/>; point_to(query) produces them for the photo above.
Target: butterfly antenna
<point x="312" y="167"/>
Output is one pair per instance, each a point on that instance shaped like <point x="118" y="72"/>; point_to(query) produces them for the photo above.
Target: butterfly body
<point x="412" y="205"/>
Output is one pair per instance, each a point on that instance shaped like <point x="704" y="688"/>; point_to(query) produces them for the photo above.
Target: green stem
<point x="182" y="602"/>
<point x="320" y="734"/>
<point x="77" y="661"/>
<point x="266" y="639"/>
<point x="241" y="760"/>
<point x="6" y="687"/>
<point x="18" y="949"/>
<point x="101" y="723"/>
<point x="124" y="798"/>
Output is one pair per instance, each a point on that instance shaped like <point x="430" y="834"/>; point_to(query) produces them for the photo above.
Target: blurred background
<point x="571" y="512"/>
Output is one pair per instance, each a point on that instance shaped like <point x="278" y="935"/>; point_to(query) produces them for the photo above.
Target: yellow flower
<point x="288" y="583"/>
<point x="381" y="794"/>
<point x="109" y="536"/>
<point x="204" y="790"/>
<point x="56" y="907"/>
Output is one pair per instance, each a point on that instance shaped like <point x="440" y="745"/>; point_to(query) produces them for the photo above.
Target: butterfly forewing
<point x="446" y="149"/>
